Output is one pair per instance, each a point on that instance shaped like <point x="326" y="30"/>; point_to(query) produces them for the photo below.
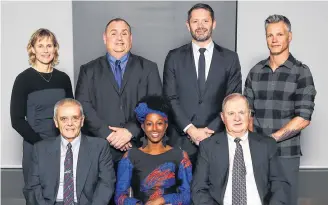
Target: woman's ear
<point x="143" y="127"/>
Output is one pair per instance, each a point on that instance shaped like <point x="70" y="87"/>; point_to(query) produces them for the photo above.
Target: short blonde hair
<point x="38" y="35"/>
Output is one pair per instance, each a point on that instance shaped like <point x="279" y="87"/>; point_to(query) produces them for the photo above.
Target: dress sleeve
<point x="124" y="175"/>
<point x="185" y="175"/>
<point x="68" y="88"/>
<point x="18" y="106"/>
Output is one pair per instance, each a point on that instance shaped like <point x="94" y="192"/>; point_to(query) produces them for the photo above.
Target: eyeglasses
<point x="73" y="119"/>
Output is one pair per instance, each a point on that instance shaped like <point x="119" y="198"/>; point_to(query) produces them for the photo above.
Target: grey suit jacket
<point x="211" y="174"/>
<point x="181" y="87"/>
<point x="95" y="176"/>
<point x="105" y="104"/>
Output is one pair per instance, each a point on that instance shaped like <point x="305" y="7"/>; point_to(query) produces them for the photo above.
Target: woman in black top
<point x="157" y="173"/>
<point x="35" y="92"/>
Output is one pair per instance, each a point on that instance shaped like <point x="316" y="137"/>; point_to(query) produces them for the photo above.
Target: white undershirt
<point x="63" y="149"/>
<point x="253" y="197"/>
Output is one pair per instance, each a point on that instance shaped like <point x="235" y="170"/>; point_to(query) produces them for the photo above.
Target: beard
<point x="201" y="38"/>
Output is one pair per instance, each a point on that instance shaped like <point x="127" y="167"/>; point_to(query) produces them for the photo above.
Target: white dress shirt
<point x="208" y="59"/>
<point x="253" y="197"/>
<point x="63" y="149"/>
<point x="208" y="56"/>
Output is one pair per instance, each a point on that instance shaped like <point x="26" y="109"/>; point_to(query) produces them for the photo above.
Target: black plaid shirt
<point x="277" y="97"/>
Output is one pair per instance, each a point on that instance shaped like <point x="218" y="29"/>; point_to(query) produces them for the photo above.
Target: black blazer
<point x="181" y="87"/>
<point x="105" y="104"/>
<point x="212" y="170"/>
<point x="95" y="176"/>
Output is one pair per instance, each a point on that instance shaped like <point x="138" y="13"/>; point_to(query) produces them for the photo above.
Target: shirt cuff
<point x="186" y="128"/>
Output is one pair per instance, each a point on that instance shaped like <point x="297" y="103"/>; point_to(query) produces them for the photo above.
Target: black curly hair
<point x="157" y="102"/>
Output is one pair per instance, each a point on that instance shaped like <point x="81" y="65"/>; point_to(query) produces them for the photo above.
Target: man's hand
<point x="119" y="137"/>
<point x="274" y="137"/>
<point x="158" y="201"/>
<point x="126" y="147"/>
<point x="208" y="131"/>
<point x="199" y="134"/>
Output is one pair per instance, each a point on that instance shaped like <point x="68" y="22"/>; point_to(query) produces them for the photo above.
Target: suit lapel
<point x="216" y="68"/>
<point x="83" y="165"/>
<point x="191" y="68"/>
<point x="128" y="70"/>
<point x="221" y="160"/>
<point x="108" y="74"/>
<point x="257" y="158"/>
<point x="54" y="168"/>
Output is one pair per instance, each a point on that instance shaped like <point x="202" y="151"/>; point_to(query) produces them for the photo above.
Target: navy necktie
<point x="239" y="194"/>
<point x="201" y="70"/>
<point x="118" y="73"/>
<point x="68" y="177"/>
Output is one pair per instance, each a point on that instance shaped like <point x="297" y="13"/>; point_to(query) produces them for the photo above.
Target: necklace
<point x="44" y="77"/>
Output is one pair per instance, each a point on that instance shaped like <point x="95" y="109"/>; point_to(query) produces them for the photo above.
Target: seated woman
<point x="157" y="173"/>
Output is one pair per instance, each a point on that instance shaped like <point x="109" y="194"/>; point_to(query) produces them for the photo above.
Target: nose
<point x="119" y="37"/>
<point x="45" y="49"/>
<point x="70" y="122"/>
<point x="237" y="117"/>
<point x="154" y="127"/>
<point x="274" y="39"/>
<point x="200" y="25"/>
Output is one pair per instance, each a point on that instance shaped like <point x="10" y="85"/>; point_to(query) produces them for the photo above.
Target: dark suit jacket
<point x="105" y="104"/>
<point x="212" y="170"/>
<point x="95" y="176"/>
<point x="181" y="87"/>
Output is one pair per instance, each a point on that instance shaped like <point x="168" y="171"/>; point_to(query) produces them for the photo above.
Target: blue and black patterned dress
<point x="166" y="175"/>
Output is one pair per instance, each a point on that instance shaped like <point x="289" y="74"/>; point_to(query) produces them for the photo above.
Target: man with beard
<point x="196" y="79"/>
<point x="281" y="93"/>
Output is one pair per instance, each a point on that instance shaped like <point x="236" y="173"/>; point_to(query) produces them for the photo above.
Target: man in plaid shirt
<point x="281" y="93"/>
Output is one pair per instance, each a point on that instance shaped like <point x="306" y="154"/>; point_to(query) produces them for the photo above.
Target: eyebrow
<point x="114" y="29"/>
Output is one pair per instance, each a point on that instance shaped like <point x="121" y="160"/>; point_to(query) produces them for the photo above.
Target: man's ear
<point x="188" y="26"/>
<point x="290" y="37"/>
<point x="104" y="37"/>
<point x="82" y="123"/>
<point x="222" y="117"/>
<point x="56" y="123"/>
<point x="214" y="24"/>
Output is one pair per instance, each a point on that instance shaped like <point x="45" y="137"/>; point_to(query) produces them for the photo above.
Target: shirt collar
<point x="243" y="138"/>
<point x="289" y="63"/>
<point x="111" y="59"/>
<point x="74" y="143"/>
<point x="209" y="47"/>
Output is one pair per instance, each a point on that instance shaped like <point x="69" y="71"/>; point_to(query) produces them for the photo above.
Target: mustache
<point x="201" y="29"/>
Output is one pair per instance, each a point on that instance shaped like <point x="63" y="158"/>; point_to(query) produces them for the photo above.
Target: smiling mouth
<point x="154" y="135"/>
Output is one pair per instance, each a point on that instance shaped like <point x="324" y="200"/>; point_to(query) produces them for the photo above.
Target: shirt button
<point x="200" y="102"/>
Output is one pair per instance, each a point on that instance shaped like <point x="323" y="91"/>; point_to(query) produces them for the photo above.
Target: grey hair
<point x="68" y="101"/>
<point x="277" y="18"/>
<point x="234" y="96"/>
